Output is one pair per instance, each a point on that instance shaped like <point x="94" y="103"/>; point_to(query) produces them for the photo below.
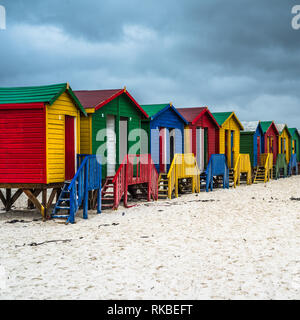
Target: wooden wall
<point x="22" y="145"/>
<point x="55" y="133"/>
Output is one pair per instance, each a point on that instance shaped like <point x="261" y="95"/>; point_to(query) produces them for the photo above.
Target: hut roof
<point x="294" y="131"/>
<point x="38" y="94"/>
<point x="221" y="117"/>
<point x="281" y="126"/>
<point x="96" y="99"/>
<point x="154" y="110"/>
<point x="265" y="125"/>
<point x="193" y="114"/>
<point x="250" y="126"/>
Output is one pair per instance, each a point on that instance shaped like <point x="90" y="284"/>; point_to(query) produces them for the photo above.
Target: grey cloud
<point x="232" y="54"/>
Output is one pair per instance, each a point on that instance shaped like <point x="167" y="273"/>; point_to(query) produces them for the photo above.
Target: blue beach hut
<point x="165" y="134"/>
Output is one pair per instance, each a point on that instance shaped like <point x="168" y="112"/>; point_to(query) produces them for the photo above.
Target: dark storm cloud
<point x="230" y="55"/>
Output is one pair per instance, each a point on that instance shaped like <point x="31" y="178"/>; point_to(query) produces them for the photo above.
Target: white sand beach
<point x="244" y="244"/>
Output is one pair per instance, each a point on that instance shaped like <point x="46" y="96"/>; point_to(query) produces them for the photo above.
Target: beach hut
<point x="295" y="152"/>
<point x="295" y="142"/>
<point x="252" y="141"/>
<point x="165" y="132"/>
<point x="270" y="142"/>
<point x="201" y="134"/>
<point x="39" y="141"/>
<point x="284" y="142"/>
<point x="229" y="136"/>
<point x="112" y="131"/>
<point x="112" y="116"/>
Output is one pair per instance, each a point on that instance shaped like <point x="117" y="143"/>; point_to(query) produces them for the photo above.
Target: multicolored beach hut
<point x="201" y="134"/>
<point x="112" y="116"/>
<point x="165" y="132"/>
<point x="270" y="142"/>
<point x="229" y="135"/>
<point x="295" y="142"/>
<point x="39" y="141"/>
<point x="252" y="141"/>
<point x="284" y="142"/>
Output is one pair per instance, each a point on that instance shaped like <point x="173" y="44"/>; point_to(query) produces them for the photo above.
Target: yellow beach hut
<point x="284" y="143"/>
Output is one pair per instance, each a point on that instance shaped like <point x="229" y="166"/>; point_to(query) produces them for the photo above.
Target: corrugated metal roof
<point x="93" y="98"/>
<point x="250" y="126"/>
<point x="280" y="127"/>
<point x="190" y="114"/>
<point x="153" y="109"/>
<point x="37" y="94"/>
<point x="43" y="94"/>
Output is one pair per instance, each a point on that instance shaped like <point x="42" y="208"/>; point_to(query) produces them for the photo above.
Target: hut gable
<point x="199" y="116"/>
<point x="252" y="139"/>
<point x="228" y="120"/>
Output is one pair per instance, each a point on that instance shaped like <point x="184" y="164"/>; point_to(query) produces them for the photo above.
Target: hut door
<point x="198" y="147"/>
<point x="162" y="150"/>
<point x="172" y="145"/>
<point x="205" y="147"/>
<point x="69" y="148"/>
<point x="111" y="145"/>
<point x="232" y="148"/>
<point x="123" y="134"/>
<point x="294" y="147"/>
<point x="258" y="151"/>
<point x="226" y="146"/>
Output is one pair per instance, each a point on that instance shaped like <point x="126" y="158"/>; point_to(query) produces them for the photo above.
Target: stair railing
<point x="237" y="172"/>
<point x="153" y="178"/>
<point x="293" y="164"/>
<point x="183" y="166"/>
<point x="135" y="169"/>
<point x="87" y="177"/>
<point x="217" y="165"/>
<point x="119" y="183"/>
<point x="281" y="164"/>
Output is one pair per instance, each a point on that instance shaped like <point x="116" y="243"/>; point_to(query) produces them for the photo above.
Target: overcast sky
<point x="240" y="55"/>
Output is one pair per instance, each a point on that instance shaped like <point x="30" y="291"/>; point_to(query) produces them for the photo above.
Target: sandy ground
<point x="245" y="244"/>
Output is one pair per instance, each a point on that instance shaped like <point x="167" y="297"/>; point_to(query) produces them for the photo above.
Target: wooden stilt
<point x="51" y="198"/>
<point x="36" y="193"/>
<point x="36" y="202"/>
<point x="12" y="200"/>
<point x="2" y="198"/>
<point x="8" y="195"/>
<point x="44" y="202"/>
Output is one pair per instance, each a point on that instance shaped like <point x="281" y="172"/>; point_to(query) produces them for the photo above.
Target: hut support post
<point x="11" y="200"/>
<point x="2" y="198"/>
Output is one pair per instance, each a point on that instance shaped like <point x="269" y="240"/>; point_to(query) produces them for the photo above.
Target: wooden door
<point x="199" y="148"/>
<point x="232" y="148"/>
<point x="123" y="138"/>
<point x="172" y="145"/>
<point x="69" y="148"/>
<point x="162" y="150"/>
<point x="205" y="147"/>
<point x="111" y="145"/>
<point x="226" y="147"/>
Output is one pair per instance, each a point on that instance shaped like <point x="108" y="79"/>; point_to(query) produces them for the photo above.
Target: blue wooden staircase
<point x="217" y="167"/>
<point x="75" y="193"/>
<point x="293" y="165"/>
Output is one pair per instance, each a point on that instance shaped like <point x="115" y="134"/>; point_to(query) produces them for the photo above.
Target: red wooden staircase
<point x="135" y="170"/>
